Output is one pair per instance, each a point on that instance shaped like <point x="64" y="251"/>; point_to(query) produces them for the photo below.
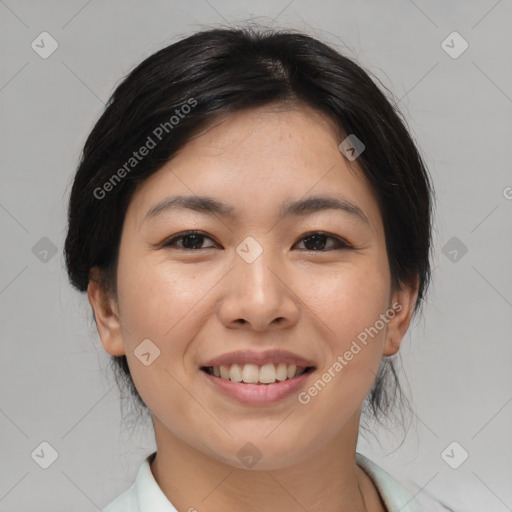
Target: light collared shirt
<point x="145" y="495"/>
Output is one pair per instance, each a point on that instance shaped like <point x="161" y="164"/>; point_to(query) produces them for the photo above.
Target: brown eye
<point x="192" y="240"/>
<point x="318" y="242"/>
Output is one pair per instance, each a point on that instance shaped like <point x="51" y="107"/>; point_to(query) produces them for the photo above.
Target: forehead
<point x="255" y="160"/>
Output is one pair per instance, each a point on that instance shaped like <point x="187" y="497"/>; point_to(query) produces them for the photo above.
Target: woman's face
<point x="313" y="283"/>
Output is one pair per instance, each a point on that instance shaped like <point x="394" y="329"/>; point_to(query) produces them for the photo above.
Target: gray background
<point x="54" y="380"/>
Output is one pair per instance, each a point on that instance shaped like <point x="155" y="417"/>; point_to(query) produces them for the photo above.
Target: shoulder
<point x="126" y="502"/>
<point x="144" y="495"/>
<point x="395" y="496"/>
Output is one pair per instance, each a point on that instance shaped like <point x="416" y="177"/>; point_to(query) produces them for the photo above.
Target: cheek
<point x="161" y="303"/>
<point x="349" y="305"/>
<point x="349" y="300"/>
<point x="155" y="297"/>
<point x="166" y="304"/>
<point x="349" y="308"/>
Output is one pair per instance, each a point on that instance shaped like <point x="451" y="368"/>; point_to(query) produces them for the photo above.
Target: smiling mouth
<point x="256" y="374"/>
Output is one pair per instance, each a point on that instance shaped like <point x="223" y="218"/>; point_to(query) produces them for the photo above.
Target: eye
<point x="317" y="242"/>
<point x="191" y="240"/>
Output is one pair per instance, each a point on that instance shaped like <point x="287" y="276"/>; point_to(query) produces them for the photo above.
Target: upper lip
<point x="260" y="358"/>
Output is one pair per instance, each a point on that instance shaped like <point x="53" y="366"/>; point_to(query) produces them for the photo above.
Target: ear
<point x="106" y="315"/>
<point x="402" y="303"/>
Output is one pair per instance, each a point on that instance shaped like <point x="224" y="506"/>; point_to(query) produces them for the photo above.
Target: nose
<point x="258" y="295"/>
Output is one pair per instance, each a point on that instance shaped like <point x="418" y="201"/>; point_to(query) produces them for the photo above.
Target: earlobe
<point x="106" y="316"/>
<point x="402" y="303"/>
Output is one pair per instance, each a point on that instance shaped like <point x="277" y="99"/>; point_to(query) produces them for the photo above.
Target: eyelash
<point x="341" y="244"/>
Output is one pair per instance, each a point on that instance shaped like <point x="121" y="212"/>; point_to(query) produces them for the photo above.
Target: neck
<point x="329" y="481"/>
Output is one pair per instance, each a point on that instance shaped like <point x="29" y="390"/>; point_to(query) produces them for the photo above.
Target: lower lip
<point x="258" y="394"/>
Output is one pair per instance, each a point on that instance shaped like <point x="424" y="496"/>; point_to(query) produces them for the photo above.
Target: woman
<point x="252" y="223"/>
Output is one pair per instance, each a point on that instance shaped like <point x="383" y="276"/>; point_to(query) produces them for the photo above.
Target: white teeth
<point x="282" y="372"/>
<point x="252" y="373"/>
<point x="235" y="373"/>
<point x="267" y="374"/>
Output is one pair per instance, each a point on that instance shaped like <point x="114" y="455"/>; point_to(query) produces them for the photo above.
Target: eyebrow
<point x="211" y="206"/>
